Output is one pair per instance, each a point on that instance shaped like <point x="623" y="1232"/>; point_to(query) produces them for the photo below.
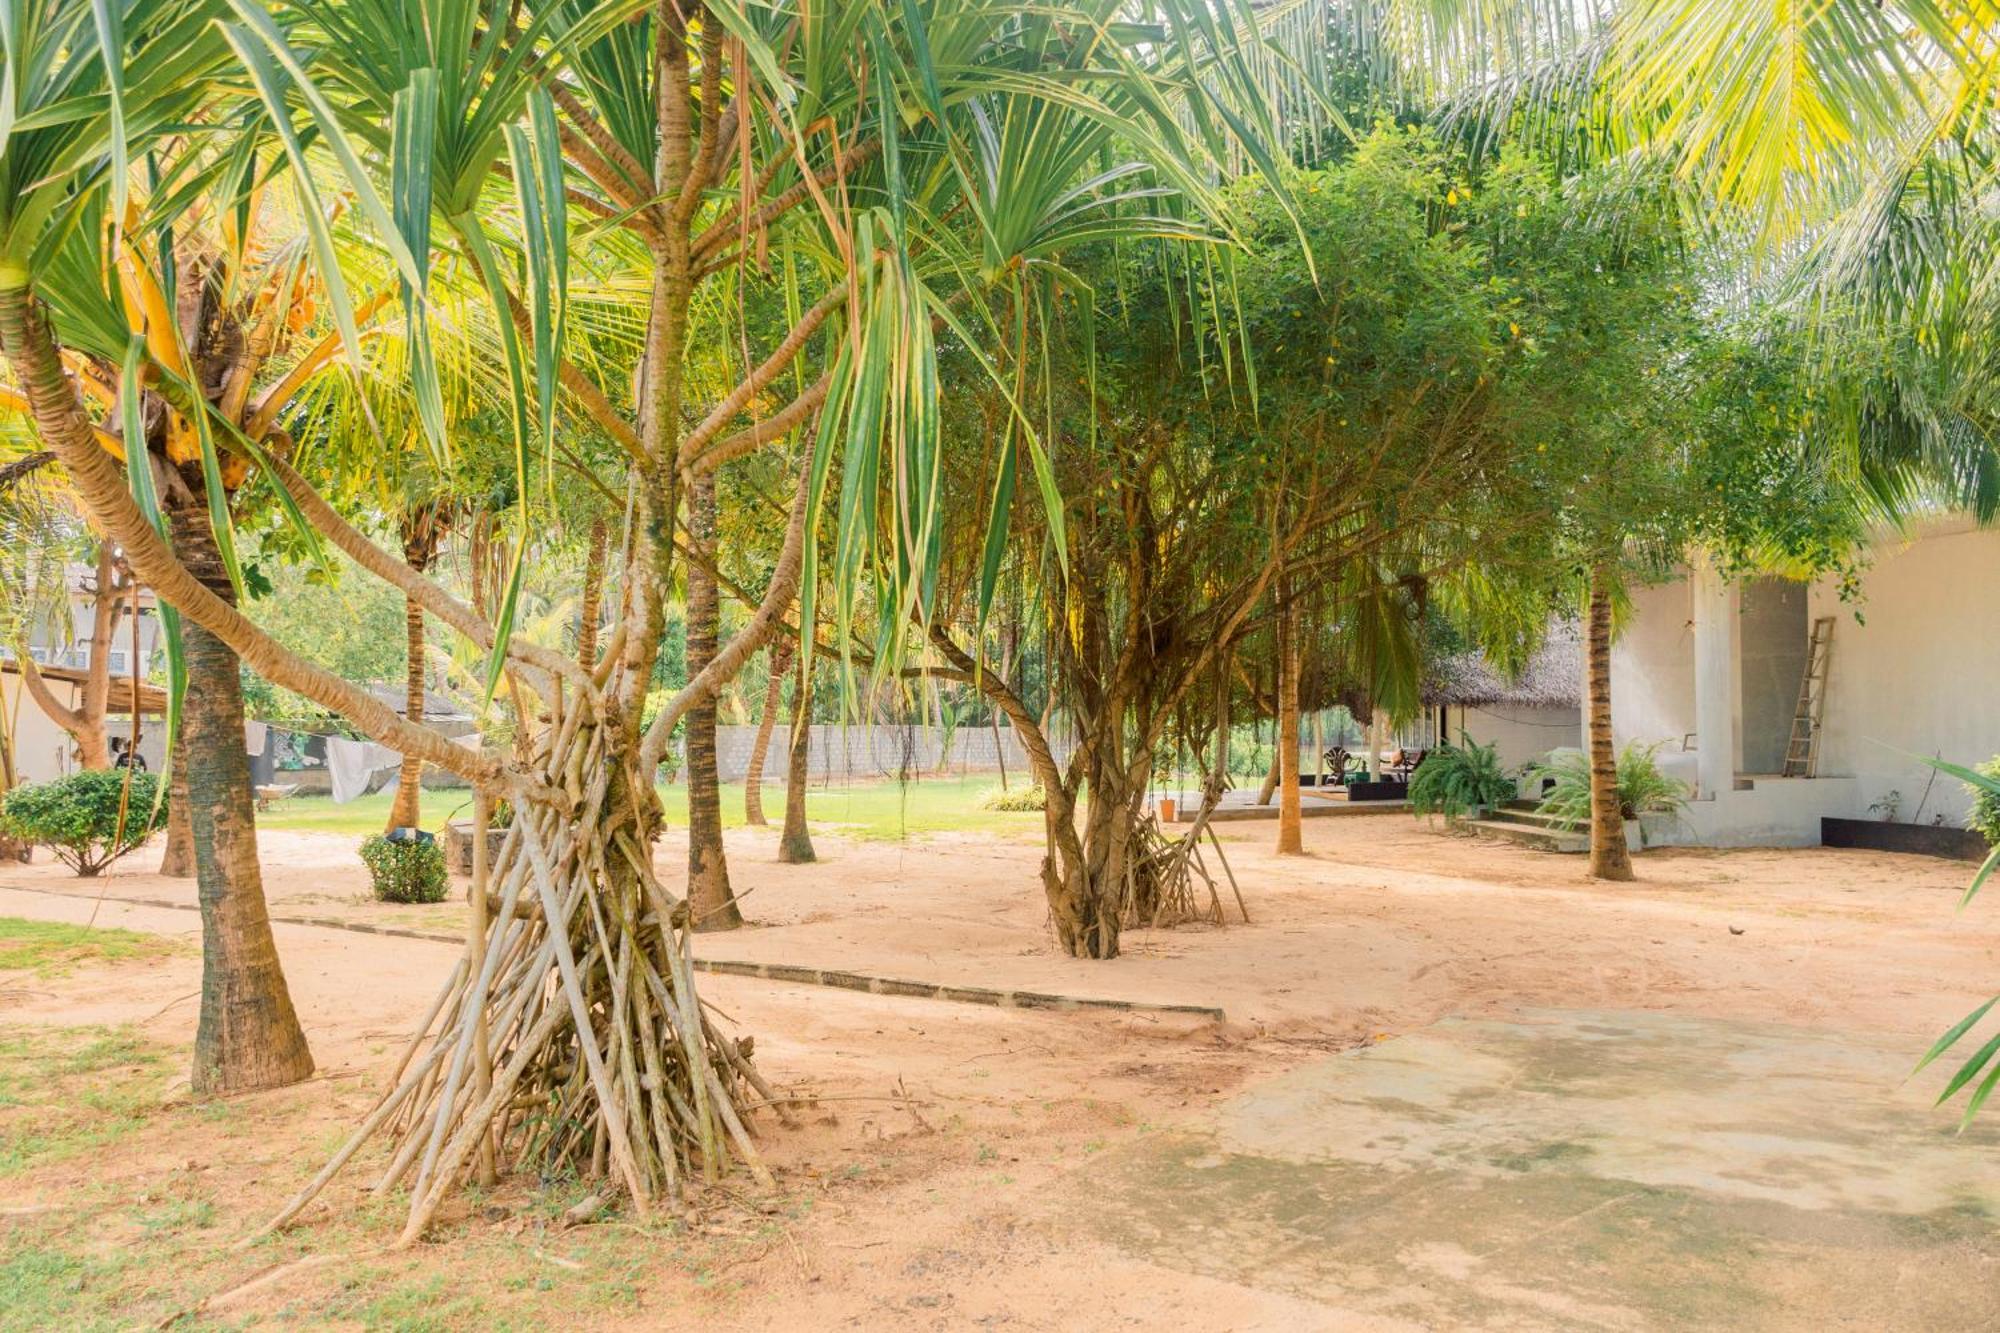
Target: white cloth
<point x="352" y="763"/>
<point x="255" y="736"/>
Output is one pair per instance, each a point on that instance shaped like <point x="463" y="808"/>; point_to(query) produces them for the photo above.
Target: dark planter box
<point x="1956" y="844"/>
<point x="1377" y="791"/>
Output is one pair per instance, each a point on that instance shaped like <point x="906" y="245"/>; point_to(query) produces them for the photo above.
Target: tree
<point x="1290" y="833"/>
<point x="711" y="904"/>
<point x="1368" y="453"/>
<point x="795" y="846"/>
<point x="753" y="777"/>
<point x="703" y="140"/>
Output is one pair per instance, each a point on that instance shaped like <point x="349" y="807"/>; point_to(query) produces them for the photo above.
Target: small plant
<point x="1456" y="780"/>
<point x="87" y="819"/>
<point x="1642" y="788"/>
<point x="1888" y="807"/>
<point x="1016" y="798"/>
<point x="1985" y="815"/>
<point x="406" y="871"/>
<point x="1984" y="783"/>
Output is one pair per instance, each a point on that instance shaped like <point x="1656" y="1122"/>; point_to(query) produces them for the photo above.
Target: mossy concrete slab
<point x="1584" y="1170"/>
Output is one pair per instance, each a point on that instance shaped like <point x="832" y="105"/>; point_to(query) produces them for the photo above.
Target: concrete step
<point x="1517" y="813"/>
<point x="1532" y="835"/>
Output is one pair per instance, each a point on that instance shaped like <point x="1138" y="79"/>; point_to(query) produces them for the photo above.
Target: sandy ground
<point x="930" y="1188"/>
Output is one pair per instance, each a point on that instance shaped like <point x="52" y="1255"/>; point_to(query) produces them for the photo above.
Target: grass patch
<point x="65" y="1091"/>
<point x="51" y="948"/>
<point x="875" y="811"/>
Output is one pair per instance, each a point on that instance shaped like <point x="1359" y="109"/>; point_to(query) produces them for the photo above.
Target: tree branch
<point x="759" y="379"/>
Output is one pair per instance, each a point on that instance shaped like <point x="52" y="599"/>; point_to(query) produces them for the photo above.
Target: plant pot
<point x="458" y="845"/>
<point x="1167" y="809"/>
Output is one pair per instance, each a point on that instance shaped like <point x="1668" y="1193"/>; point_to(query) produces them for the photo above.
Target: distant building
<point x="1713" y="670"/>
<point x="1525" y="717"/>
<point x="44" y="750"/>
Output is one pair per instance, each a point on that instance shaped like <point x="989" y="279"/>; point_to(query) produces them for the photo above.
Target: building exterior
<point x="42" y="750"/>
<point x="1524" y="718"/>
<point x="1710" y="669"/>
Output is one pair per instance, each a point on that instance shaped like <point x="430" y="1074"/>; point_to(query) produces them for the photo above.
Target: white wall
<point x="1915" y="676"/>
<point x="1522" y="734"/>
<point x="1652" y="668"/>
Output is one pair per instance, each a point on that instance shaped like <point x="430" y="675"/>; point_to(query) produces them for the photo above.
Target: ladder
<point x="1802" y="752"/>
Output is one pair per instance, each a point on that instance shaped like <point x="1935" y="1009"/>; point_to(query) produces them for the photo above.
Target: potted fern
<point x="1642" y="789"/>
<point x="1464" y="781"/>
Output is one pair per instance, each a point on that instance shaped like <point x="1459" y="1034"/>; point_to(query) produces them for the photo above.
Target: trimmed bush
<point x="78" y="817"/>
<point x="406" y="872"/>
<point x="1015" y="798"/>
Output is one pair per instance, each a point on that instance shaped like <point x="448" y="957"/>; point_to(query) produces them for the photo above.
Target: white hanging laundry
<point x="352" y="763"/>
<point x="255" y="736"/>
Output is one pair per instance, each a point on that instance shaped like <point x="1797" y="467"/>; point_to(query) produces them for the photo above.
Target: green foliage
<point x="87" y="819"/>
<point x="353" y="626"/>
<point x="1985" y="816"/>
<point x="1642" y="788"/>
<point x="1985" y="782"/>
<point x="1015" y="798"/>
<point x="406" y="872"/>
<point x="1455" y="780"/>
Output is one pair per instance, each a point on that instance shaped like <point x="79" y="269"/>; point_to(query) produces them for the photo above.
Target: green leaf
<point x="1959" y="1029"/>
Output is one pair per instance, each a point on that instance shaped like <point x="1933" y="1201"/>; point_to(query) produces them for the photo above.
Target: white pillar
<point x="1378" y="736"/>
<point x="1714" y="681"/>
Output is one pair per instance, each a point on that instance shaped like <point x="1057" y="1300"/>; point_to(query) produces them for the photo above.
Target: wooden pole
<point x="482" y="1056"/>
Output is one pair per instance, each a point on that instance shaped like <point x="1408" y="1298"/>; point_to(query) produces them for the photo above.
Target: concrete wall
<point x="842" y="754"/>
<point x="1652" y="668"/>
<point x="1522" y="734"/>
<point x="1914" y="677"/>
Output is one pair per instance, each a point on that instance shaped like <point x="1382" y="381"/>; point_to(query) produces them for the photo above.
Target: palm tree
<point x="909" y="161"/>
<point x="779" y="664"/>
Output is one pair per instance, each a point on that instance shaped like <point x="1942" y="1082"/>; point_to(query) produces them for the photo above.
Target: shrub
<point x="1642" y="788"/>
<point x="1454" y="780"/>
<point x="1985" y="816"/>
<point x="406" y="872"/>
<point x="78" y="817"/>
<point x="1016" y="798"/>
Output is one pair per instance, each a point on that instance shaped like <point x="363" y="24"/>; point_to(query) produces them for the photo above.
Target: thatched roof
<point x="1553" y="678"/>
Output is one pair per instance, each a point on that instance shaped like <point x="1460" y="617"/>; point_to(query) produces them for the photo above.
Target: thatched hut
<point x="1526" y="715"/>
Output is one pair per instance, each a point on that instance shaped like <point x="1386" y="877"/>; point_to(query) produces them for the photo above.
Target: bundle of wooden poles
<point x="1167" y="880"/>
<point x="568" y="1039"/>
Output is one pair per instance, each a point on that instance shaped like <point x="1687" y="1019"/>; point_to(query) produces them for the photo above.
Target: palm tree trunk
<point x="1609" y="858"/>
<point x="711" y="903"/>
<point x="795" y="844"/>
<point x="178" y="862"/>
<point x="1271" y="775"/>
<point x="1290" y="817"/>
<point x="408" y="807"/>
<point x="753" y="778"/>
<point x="593" y="594"/>
<point x="248" y="1035"/>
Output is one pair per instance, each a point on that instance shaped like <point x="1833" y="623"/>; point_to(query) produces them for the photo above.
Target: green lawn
<point x="50" y="948"/>
<point x="882" y="811"/>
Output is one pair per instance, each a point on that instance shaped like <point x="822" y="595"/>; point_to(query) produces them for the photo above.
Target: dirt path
<point x="930" y="1188"/>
